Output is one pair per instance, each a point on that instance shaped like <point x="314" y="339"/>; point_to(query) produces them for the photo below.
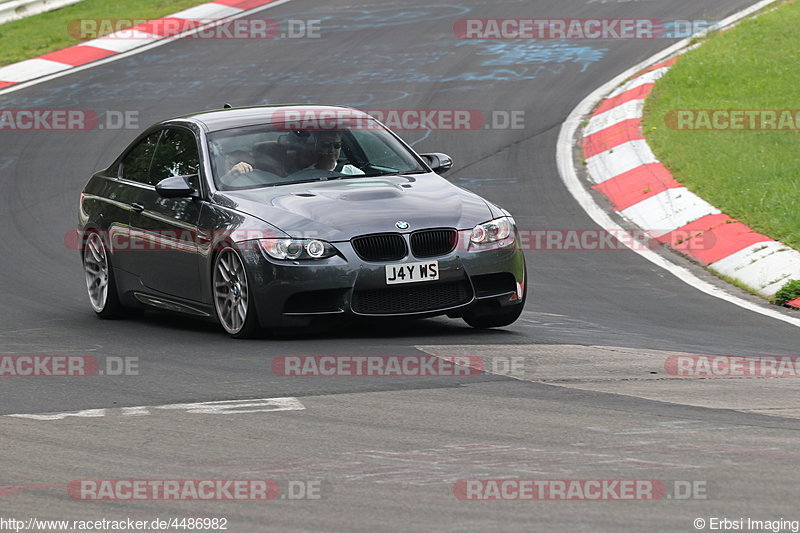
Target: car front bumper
<point x="293" y="294"/>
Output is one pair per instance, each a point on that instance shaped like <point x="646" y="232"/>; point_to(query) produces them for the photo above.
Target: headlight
<point x="495" y="230"/>
<point x="291" y="249"/>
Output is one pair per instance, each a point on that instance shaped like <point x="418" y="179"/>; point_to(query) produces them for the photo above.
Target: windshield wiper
<point x="396" y="173"/>
<point x="295" y="182"/>
<point x="377" y="174"/>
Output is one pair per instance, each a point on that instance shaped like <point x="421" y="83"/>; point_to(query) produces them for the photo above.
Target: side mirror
<point x="439" y="163"/>
<point x="176" y="187"/>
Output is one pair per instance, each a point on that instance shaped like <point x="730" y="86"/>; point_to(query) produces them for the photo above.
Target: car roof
<point x="222" y="119"/>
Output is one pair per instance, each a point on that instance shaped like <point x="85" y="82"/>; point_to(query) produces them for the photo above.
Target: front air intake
<point x="434" y="242"/>
<point x="380" y="247"/>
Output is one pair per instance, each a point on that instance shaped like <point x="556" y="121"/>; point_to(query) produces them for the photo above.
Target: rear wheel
<point x="233" y="300"/>
<point x="100" y="282"/>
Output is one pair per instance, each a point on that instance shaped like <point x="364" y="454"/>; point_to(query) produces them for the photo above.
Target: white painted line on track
<point x="566" y="168"/>
<point x="227" y="407"/>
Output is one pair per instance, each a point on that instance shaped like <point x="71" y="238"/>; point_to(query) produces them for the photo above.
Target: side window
<point x="137" y="163"/>
<point x="176" y="155"/>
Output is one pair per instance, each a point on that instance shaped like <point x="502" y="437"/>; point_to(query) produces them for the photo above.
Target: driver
<point x="321" y="152"/>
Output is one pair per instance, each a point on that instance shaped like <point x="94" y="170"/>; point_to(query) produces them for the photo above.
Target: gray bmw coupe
<point x="266" y="218"/>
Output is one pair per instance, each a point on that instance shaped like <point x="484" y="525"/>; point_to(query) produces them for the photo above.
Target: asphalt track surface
<point x="592" y="401"/>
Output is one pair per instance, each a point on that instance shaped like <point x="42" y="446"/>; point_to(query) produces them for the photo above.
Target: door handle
<point x="137" y="207"/>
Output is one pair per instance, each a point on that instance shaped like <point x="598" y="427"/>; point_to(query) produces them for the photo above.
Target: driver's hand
<point x="241" y="168"/>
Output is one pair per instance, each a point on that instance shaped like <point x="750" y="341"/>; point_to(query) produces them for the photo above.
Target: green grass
<point x="753" y="176"/>
<point x="790" y="291"/>
<point x="40" y="34"/>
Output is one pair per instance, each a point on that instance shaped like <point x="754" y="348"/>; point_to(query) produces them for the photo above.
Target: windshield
<point x="269" y="155"/>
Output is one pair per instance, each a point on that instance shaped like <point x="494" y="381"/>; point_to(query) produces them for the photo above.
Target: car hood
<point x="337" y="210"/>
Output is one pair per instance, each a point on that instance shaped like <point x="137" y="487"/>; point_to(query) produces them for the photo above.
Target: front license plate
<point x="412" y="272"/>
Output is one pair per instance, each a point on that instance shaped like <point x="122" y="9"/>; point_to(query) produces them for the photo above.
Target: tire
<point x="496" y="319"/>
<point x="234" y="303"/>
<point x="100" y="282"/>
<point x="494" y="316"/>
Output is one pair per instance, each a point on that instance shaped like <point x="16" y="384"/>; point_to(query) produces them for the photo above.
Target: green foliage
<point x="789" y="292"/>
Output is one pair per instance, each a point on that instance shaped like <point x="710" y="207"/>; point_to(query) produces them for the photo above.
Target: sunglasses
<point x="334" y="144"/>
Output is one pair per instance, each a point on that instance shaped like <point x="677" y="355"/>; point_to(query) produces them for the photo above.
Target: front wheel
<point x="494" y="319"/>
<point x="491" y="315"/>
<point x="233" y="300"/>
